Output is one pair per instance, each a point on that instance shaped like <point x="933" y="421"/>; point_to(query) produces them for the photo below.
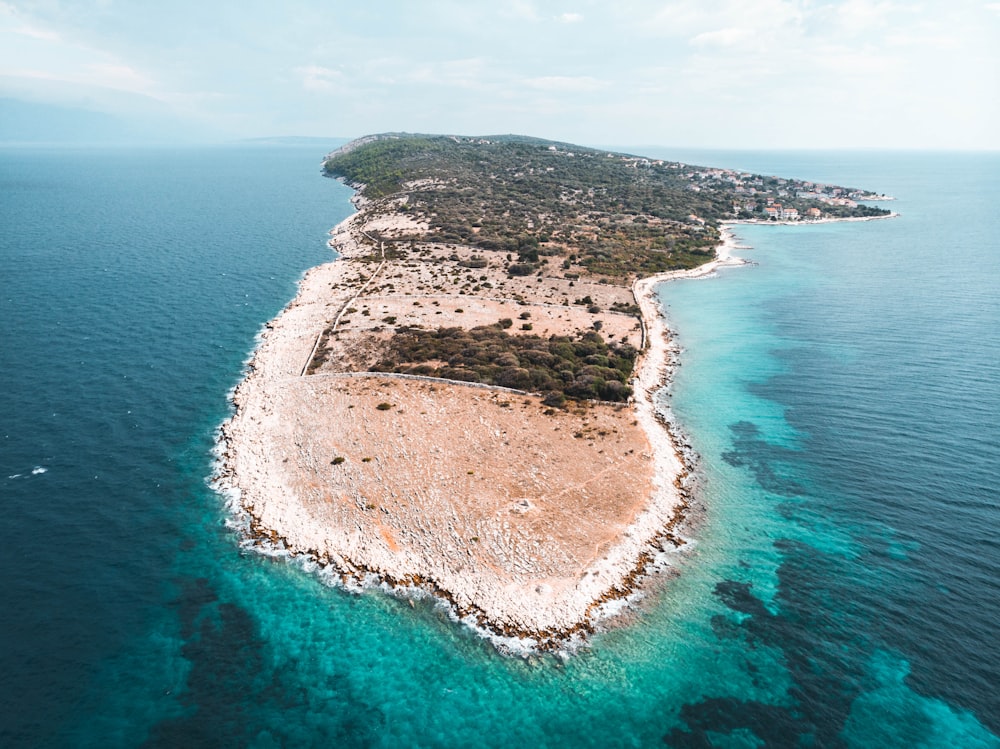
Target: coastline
<point x="810" y="222"/>
<point x="549" y="615"/>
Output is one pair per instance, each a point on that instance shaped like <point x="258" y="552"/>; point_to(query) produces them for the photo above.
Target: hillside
<point x="580" y="209"/>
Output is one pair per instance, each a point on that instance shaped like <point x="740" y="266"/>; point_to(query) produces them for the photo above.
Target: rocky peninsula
<point x="464" y="402"/>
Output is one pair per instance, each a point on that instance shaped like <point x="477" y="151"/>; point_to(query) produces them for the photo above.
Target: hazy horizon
<point x="759" y="74"/>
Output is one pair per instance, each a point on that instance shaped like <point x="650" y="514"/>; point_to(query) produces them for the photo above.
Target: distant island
<point x="463" y="404"/>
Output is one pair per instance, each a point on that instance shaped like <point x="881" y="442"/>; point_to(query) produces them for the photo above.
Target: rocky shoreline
<point x="543" y="610"/>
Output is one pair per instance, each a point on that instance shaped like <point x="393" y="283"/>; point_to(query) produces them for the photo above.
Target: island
<point x="467" y="403"/>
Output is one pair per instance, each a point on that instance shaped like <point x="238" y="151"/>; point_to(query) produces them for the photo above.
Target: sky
<point x="912" y="74"/>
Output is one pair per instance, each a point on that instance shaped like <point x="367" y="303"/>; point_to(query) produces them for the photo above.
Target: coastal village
<point x="756" y="197"/>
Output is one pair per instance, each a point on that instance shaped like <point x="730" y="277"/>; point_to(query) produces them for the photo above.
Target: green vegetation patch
<point x="581" y="367"/>
<point x="607" y="214"/>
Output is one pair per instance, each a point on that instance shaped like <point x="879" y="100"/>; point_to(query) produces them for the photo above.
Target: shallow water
<point x="842" y="586"/>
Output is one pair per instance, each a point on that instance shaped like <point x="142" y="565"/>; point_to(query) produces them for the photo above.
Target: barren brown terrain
<point x="524" y="517"/>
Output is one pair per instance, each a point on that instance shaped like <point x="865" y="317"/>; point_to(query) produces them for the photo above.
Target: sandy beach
<point x="528" y="521"/>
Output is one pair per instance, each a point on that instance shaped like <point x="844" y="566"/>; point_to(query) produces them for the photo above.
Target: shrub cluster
<point x="584" y="367"/>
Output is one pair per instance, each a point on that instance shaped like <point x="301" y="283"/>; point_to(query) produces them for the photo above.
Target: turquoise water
<point x="842" y="585"/>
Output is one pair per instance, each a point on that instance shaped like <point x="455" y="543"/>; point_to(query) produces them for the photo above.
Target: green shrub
<point x="554" y="399"/>
<point x="520" y="269"/>
<point x="583" y="367"/>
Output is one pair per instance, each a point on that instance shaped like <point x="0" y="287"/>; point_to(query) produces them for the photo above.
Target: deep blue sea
<point x="842" y="587"/>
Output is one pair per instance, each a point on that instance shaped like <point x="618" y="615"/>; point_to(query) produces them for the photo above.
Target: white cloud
<point x="464" y="73"/>
<point x="399" y="72"/>
<point x="691" y="18"/>
<point x="118" y="76"/>
<point x="923" y="40"/>
<point x="103" y="75"/>
<point x="855" y="16"/>
<point x="36" y="33"/>
<point x="840" y="62"/>
<point x="11" y="21"/>
<point x="318" y="78"/>
<point x="33" y="51"/>
<point x="568" y="83"/>
<point x="522" y="10"/>
<point x="569" y="18"/>
<point x="730" y="37"/>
